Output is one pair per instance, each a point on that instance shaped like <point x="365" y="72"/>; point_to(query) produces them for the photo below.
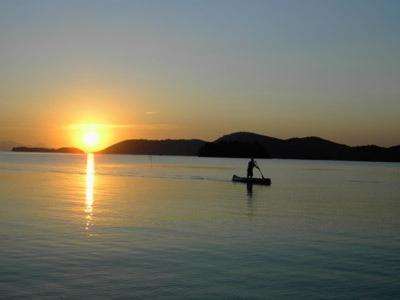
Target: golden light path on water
<point x="90" y="172"/>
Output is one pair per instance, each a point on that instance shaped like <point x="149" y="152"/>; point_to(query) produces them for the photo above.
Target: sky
<point x="199" y="69"/>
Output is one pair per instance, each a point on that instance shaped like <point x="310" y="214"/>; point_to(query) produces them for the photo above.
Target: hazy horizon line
<point x="45" y="145"/>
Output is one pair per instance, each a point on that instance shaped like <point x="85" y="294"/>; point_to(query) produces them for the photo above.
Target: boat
<point x="261" y="181"/>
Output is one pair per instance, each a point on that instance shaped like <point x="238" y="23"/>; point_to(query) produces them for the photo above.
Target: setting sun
<point x="89" y="137"/>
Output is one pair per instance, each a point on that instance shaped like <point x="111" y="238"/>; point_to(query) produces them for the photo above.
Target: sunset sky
<point x="199" y="69"/>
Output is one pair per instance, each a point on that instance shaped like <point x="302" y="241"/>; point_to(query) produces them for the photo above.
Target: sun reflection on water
<point x="89" y="190"/>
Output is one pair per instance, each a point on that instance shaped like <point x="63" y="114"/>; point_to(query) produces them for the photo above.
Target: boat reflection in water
<point x="89" y="190"/>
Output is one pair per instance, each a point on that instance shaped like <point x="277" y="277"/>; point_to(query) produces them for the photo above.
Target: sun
<point x="91" y="139"/>
<point x="87" y="137"/>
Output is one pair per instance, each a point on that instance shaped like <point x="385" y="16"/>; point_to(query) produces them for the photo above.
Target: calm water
<point x="154" y="227"/>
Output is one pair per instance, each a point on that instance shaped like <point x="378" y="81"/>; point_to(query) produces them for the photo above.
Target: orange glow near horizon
<point x="90" y="137"/>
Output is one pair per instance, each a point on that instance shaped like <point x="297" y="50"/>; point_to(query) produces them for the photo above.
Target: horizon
<point x="188" y="139"/>
<point x="178" y="69"/>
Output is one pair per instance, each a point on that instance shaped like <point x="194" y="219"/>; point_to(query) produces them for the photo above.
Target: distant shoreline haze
<point x="71" y="150"/>
<point x="244" y="144"/>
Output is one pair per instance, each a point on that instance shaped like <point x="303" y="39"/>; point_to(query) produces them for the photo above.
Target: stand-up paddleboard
<point x="262" y="181"/>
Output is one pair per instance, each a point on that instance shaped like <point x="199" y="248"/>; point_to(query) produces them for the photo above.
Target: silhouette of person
<point x="250" y="167"/>
<point x="249" y="190"/>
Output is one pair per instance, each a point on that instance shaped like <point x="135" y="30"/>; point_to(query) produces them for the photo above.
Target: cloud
<point x="152" y="112"/>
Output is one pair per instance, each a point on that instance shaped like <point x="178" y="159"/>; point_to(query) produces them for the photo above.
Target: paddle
<point x="258" y="168"/>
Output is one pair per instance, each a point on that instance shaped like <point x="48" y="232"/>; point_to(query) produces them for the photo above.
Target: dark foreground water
<point x="141" y="227"/>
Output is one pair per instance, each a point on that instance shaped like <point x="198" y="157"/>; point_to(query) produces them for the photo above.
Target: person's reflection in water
<point x="250" y="190"/>
<point x="250" y="198"/>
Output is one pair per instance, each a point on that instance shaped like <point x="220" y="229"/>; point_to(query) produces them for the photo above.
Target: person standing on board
<point x="250" y="167"/>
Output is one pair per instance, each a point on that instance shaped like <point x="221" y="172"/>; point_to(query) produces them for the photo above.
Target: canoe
<point x="262" y="181"/>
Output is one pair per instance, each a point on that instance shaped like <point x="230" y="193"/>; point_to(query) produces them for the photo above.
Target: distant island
<point x="313" y="148"/>
<point x="156" y="147"/>
<point x="245" y="144"/>
<point x="48" y="150"/>
<point x="234" y="148"/>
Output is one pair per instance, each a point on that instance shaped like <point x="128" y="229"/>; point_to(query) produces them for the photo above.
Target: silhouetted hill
<point x="313" y="148"/>
<point x="246" y="137"/>
<point x="156" y="147"/>
<point x="234" y="149"/>
<point x="48" y="150"/>
<point x="272" y="145"/>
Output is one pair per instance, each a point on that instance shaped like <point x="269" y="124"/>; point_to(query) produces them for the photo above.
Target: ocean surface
<point x="163" y="227"/>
